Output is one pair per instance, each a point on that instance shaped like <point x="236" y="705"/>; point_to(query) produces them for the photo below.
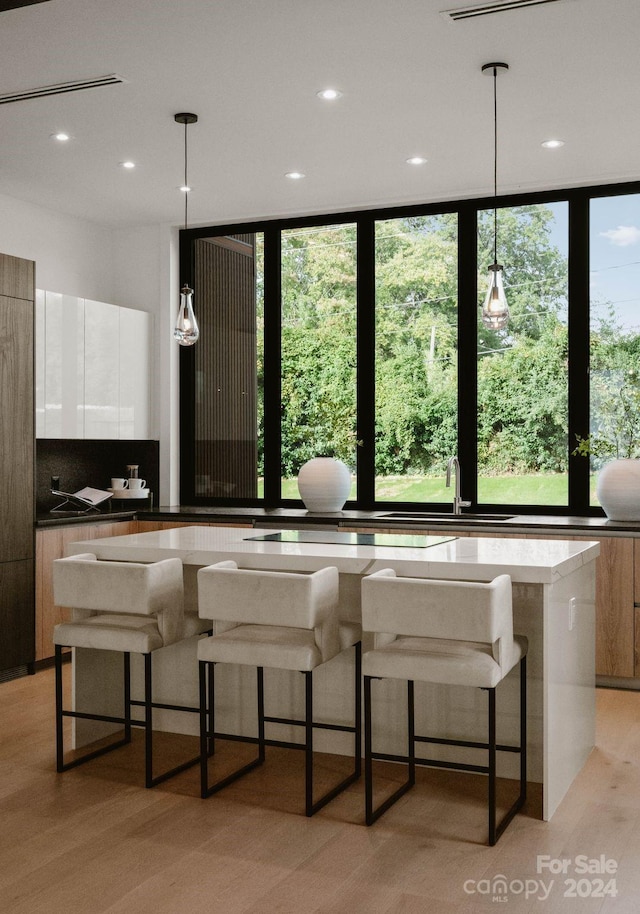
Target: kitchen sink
<point x="466" y="516"/>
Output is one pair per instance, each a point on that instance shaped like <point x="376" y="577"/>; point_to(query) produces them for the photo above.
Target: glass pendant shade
<point x="495" y="311"/>
<point x="186" y="331"/>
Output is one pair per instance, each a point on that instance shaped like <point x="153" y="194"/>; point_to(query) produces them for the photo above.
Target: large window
<point x="522" y="421"/>
<point x="360" y="335"/>
<point x="614" y="331"/>
<point x="318" y="346"/>
<point x="416" y="374"/>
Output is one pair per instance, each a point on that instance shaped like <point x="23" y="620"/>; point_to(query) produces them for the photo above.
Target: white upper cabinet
<point x="134" y="386"/>
<point x="62" y="349"/>
<point x="40" y="404"/>
<point x="101" y="370"/>
<point x="92" y="369"/>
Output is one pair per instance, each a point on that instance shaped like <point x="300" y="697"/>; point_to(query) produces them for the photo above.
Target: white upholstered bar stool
<point x="278" y="620"/>
<point x="126" y="607"/>
<point x="448" y="632"/>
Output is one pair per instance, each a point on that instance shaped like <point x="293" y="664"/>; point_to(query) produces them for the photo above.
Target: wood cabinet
<point x="16" y="462"/>
<point x="615" y="622"/>
<point x="149" y="526"/>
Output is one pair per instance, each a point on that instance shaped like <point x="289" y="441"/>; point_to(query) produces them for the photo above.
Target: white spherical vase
<point x="324" y="484"/>
<point x="618" y="489"/>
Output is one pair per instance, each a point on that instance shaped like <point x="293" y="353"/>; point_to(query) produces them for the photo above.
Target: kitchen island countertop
<point x="553" y="601"/>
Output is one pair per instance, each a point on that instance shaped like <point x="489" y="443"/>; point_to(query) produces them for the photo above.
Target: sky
<point x="615" y="257"/>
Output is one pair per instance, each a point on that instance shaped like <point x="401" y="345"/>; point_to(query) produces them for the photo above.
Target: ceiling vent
<point x="487" y="9"/>
<point x="60" y="88"/>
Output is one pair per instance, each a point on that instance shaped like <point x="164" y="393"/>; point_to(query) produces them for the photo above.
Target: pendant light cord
<point x="186" y="183"/>
<point x="495" y="165"/>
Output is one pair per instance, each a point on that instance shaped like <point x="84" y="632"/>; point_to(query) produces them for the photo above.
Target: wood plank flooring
<point x="94" y="841"/>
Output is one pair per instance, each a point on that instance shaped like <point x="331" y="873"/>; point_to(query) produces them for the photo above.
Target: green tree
<point x="416" y="314"/>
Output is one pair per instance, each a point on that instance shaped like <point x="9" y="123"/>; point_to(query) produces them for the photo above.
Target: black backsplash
<point x="81" y="462"/>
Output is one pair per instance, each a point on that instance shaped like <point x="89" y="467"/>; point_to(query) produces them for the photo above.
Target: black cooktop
<point x="332" y="537"/>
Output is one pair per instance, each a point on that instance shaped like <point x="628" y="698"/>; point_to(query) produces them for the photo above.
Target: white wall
<point x="146" y="276"/>
<point x="136" y="268"/>
<point x="71" y="255"/>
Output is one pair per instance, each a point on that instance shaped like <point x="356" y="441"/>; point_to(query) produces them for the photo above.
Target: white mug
<point x="118" y="482"/>
<point x="136" y="484"/>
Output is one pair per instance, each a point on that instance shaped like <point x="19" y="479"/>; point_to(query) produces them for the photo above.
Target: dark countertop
<point x="67" y="518"/>
<point x="296" y="517"/>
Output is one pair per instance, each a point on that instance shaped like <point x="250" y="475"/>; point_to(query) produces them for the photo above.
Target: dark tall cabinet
<point x="17" y="625"/>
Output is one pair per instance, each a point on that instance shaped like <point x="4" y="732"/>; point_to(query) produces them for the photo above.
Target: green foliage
<point x="522" y="413"/>
<point x="615" y="407"/>
<point x="522" y="372"/>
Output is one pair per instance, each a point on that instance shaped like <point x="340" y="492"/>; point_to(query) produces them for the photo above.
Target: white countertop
<point x="536" y="561"/>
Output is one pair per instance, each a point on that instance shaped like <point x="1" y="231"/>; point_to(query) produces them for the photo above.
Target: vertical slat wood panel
<point x="226" y="388"/>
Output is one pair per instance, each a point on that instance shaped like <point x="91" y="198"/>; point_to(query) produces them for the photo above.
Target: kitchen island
<point x="554" y="601"/>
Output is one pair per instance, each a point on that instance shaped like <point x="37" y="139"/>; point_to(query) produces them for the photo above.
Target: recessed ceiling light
<point x="127" y="164"/>
<point x="294" y="175"/>
<point x="61" y="137"/>
<point x="553" y="144"/>
<point x="416" y="160"/>
<point x="329" y="95"/>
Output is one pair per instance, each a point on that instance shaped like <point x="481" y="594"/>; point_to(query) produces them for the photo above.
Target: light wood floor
<point x="93" y="840"/>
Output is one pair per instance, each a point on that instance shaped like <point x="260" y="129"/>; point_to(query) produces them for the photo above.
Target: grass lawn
<point x="529" y="489"/>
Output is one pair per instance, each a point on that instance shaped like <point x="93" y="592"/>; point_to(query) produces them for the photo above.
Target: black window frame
<point x="578" y="201"/>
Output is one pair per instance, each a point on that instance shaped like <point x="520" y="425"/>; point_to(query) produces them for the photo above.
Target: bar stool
<point x="448" y="632"/>
<point x="278" y="620"/>
<point x="126" y="607"/>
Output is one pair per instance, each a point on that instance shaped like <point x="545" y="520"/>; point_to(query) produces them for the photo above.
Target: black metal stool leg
<point x="492" y="766"/>
<point x="61" y="713"/>
<point x="205" y="732"/>
<point x="358" y="710"/>
<point x="309" y="724"/>
<point x="261" y="735"/>
<point x="496" y="829"/>
<point x="212" y="710"/>
<point x="148" y="722"/>
<point x="207" y="789"/>
<point x="127" y="695"/>
<point x="372" y="814"/>
<point x="523" y="729"/>
<point x="59" y="723"/>
<point x="411" y="733"/>
<point x="308" y="742"/>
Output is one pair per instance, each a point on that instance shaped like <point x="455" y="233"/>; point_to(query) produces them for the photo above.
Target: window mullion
<point x="272" y="365"/>
<point x="578" y="345"/>
<point x="366" y="320"/>
<point x="467" y="352"/>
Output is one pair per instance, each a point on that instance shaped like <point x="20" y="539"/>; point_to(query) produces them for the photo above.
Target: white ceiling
<point x="250" y="69"/>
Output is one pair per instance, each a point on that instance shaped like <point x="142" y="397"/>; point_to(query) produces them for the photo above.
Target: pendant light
<point x="186" y="331"/>
<point x="495" y="312"/>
